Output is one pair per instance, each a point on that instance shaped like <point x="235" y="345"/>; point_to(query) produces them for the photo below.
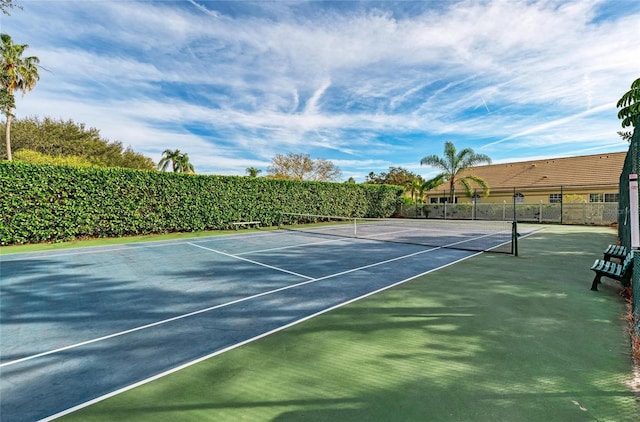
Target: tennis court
<point x="81" y="324"/>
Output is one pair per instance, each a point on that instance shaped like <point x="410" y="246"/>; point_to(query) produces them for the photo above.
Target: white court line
<point x="347" y="238"/>
<point x="309" y="280"/>
<point x="342" y="238"/>
<point x="82" y="250"/>
<point x="251" y="261"/>
<point x="154" y="324"/>
<point x="242" y="343"/>
<point x="320" y="242"/>
<point x="79" y="251"/>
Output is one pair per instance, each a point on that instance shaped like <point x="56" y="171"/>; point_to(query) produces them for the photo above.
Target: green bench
<point x="248" y="224"/>
<point x="621" y="272"/>
<point x="615" y="251"/>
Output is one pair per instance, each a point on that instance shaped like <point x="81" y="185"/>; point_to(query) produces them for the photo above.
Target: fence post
<point x="473" y="201"/>
<point x="514" y="204"/>
<point x="540" y="213"/>
<point x="561" y="205"/>
<point x="514" y="238"/>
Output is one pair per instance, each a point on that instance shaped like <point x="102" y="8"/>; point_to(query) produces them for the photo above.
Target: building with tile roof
<point x="587" y="178"/>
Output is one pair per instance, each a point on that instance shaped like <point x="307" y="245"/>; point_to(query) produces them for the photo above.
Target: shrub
<point x="42" y="202"/>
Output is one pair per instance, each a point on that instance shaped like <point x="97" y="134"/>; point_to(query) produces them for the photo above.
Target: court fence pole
<point x="514" y="238"/>
<point x="515" y="217"/>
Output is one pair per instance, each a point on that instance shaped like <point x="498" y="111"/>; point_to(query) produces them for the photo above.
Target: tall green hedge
<point x="41" y="203"/>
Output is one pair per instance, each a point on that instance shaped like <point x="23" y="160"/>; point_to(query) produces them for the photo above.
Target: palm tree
<point x="169" y="157"/>
<point x="182" y="164"/>
<point x="414" y="187"/>
<point x="431" y="184"/>
<point x="453" y="163"/>
<point x="179" y="161"/>
<point x="16" y="73"/>
<point x="417" y="187"/>
<point x="253" y="172"/>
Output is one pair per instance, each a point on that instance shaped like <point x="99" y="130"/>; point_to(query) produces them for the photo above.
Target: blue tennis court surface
<point x="78" y="325"/>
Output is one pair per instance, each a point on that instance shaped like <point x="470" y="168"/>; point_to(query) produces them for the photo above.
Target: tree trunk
<point x="8" y="136"/>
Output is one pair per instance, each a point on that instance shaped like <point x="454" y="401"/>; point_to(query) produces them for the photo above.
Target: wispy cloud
<point x="204" y="9"/>
<point x="366" y="84"/>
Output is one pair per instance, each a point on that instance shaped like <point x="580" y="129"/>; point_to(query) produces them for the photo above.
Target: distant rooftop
<point x="594" y="169"/>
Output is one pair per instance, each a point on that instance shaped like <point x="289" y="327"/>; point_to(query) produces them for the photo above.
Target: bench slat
<point x="615" y="251"/>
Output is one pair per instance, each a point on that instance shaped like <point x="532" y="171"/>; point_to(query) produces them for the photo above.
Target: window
<point x="607" y="197"/>
<point x="595" y="197"/>
<point x="441" y="200"/>
<point x="518" y="198"/>
<point x="555" y="198"/>
<point x="611" y="197"/>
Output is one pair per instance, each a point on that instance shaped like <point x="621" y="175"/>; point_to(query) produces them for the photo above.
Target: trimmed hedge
<point x="43" y="203"/>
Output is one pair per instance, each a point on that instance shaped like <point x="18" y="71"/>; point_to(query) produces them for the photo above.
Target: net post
<point x="279" y="221"/>
<point x="514" y="238"/>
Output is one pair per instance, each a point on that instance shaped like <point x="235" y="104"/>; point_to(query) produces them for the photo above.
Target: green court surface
<point x="493" y="338"/>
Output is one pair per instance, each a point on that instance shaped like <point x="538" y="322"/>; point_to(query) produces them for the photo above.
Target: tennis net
<point x="470" y="235"/>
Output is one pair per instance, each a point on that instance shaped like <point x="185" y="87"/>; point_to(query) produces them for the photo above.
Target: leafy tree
<point x="453" y="163"/>
<point x="16" y="73"/>
<point x="626" y="135"/>
<point x="179" y="161"/>
<point x="58" y="138"/>
<point x="302" y="167"/>
<point x="253" y="171"/>
<point x="629" y="106"/>
<point x="35" y="157"/>
<point x="131" y="159"/>
<point x="415" y="186"/>
<point x="398" y="176"/>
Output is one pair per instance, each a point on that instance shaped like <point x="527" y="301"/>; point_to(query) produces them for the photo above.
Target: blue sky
<point x="368" y="84"/>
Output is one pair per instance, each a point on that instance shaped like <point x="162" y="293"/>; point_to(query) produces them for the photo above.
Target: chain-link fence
<point x="596" y="213"/>
<point x="631" y="166"/>
<point x="595" y="203"/>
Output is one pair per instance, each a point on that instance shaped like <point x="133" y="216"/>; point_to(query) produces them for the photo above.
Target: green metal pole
<point x="515" y="238"/>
